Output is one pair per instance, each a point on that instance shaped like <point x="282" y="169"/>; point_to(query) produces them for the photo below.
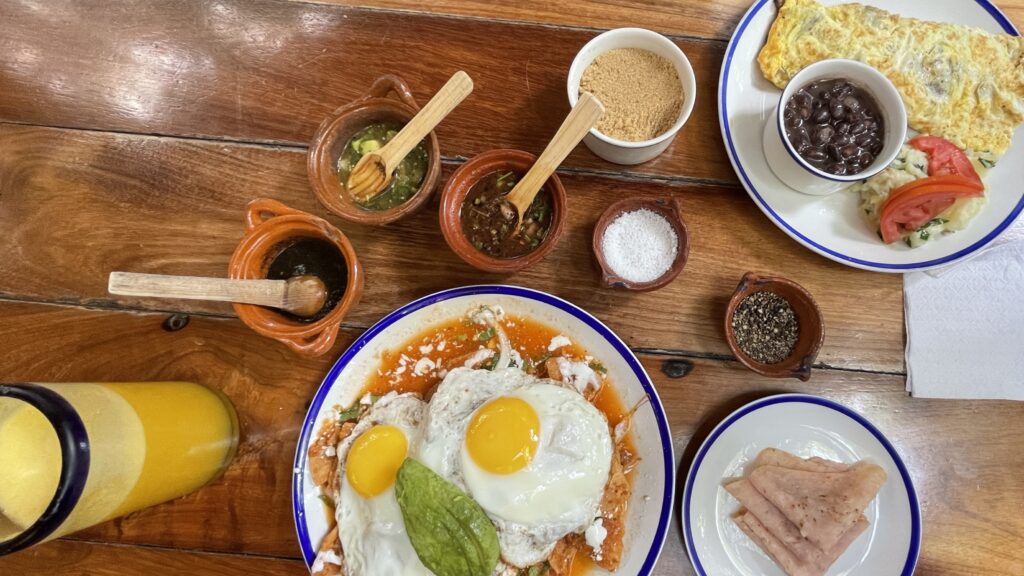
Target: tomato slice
<point x="915" y="204"/>
<point x="945" y="158"/>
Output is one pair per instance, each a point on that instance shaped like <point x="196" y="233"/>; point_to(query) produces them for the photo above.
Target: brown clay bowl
<point x="459" y="185"/>
<point x="336" y="131"/>
<point x="812" y="328"/>
<point x="270" y="227"/>
<point x="667" y="207"/>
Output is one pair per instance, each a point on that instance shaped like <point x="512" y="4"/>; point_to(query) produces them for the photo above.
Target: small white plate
<point x="806" y="426"/>
<point x="650" y="508"/>
<point x="832" y="225"/>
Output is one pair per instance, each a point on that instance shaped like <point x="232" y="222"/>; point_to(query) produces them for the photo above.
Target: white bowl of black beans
<point x="837" y="122"/>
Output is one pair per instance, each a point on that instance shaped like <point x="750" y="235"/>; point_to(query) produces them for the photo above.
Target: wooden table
<point x="133" y="133"/>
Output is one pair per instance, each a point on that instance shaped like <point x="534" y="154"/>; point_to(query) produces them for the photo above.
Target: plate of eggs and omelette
<point x="953" y="186"/>
<point x="481" y="431"/>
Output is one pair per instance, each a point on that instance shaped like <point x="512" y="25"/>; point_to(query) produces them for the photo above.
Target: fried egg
<point x="535" y="455"/>
<point x="370" y="525"/>
<point x="958" y="82"/>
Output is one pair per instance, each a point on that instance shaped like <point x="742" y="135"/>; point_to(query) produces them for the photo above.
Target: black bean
<point x="834" y="125"/>
<point x="815" y="155"/>
<point x="834" y="152"/>
<point x="843" y="140"/>
<point x="836" y="108"/>
<point x="823" y="135"/>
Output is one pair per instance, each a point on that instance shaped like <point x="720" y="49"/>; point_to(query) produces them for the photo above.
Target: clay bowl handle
<point x="256" y="210"/>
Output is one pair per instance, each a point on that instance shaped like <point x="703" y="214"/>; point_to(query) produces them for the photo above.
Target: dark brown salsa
<point x="488" y="221"/>
<point x="313" y="257"/>
<point x="835" y="126"/>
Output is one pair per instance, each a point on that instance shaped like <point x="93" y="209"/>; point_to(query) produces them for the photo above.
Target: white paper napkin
<point x="965" y="327"/>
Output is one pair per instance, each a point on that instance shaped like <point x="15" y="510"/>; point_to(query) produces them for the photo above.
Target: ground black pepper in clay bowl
<point x="774" y="327"/>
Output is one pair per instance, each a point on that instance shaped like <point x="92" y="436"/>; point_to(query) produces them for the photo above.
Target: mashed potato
<point x="908" y="166"/>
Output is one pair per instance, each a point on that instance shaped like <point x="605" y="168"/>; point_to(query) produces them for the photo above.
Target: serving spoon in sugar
<point x="374" y="171"/>
<point x="583" y="116"/>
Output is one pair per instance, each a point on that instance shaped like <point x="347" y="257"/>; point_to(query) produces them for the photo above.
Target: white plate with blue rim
<point x="650" y="508"/>
<point x="806" y="426"/>
<point x="832" y="225"/>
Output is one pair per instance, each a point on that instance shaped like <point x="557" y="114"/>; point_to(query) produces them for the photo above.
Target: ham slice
<point x="781" y="458"/>
<point x="792" y="564"/>
<point x="823" y="505"/>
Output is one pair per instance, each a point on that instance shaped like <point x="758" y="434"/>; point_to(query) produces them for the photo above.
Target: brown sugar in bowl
<point x="459" y="185"/>
<point x="270" y="227"/>
<point x="811" y="326"/>
<point x="337" y="130"/>
<point x="669" y="209"/>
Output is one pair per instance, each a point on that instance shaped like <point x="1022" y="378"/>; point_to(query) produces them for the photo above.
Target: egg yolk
<point x="502" y="436"/>
<point x="374" y="459"/>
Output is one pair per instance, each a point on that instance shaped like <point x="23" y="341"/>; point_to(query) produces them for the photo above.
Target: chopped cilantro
<point x="987" y="163"/>
<point x="486" y="334"/>
<point x="598" y="367"/>
<point x="348" y="415"/>
<point x="461" y="337"/>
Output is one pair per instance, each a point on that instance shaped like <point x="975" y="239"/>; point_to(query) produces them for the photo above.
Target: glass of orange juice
<point x="75" y="455"/>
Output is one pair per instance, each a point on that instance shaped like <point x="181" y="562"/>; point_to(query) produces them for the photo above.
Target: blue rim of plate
<point x="723" y="86"/>
<point x="299" y="466"/>
<point x="915" y="510"/>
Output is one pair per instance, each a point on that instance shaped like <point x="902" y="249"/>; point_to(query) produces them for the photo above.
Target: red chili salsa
<point x="488" y="222"/>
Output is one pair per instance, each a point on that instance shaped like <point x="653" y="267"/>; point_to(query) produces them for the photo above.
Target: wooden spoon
<point x="301" y="295"/>
<point x="374" y="171"/>
<point x="583" y="116"/>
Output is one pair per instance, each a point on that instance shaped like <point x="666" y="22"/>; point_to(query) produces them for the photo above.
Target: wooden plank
<point x="95" y="559"/>
<point x="78" y="205"/>
<point x="271" y="71"/>
<point x="962" y="455"/>
<point x="698" y="19"/>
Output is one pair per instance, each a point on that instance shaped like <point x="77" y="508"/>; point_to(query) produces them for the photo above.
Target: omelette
<point x="958" y="82"/>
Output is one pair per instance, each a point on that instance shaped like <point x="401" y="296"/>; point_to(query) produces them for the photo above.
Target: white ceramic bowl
<point x="796" y="172"/>
<point x="650" y="508"/>
<point x="622" y="151"/>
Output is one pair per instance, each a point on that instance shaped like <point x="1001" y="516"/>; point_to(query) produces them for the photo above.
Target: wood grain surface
<point x="132" y="134"/>
<point x="106" y="202"/>
<point x="264" y="70"/>
<point x="101" y="559"/>
<point x="960" y="484"/>
<point x="711" y="19"/>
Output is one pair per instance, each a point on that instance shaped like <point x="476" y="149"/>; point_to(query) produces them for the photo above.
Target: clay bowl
<point x="270" y="227"/>
<point x="459" y="185"/>
<point x="667" y="207"/>
<point x="812" y="328"/>
<point x="336" y="131"/>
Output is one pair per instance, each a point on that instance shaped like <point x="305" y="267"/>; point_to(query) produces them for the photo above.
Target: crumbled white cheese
<point x="400" y="370"/>
<point x="426" y="349"/>
<point x="480" y="355"/>
<point x="558" y="342"/>
<point x="330" y="452"/>
<point x="595" y="535"/>
<point x="577" y="375"/>
<point x="441" y="345"/>
<point x="325" y="557"/>
<point x="366" y="400"/>
<point x="442" y="373"/>
<point x="423" y="365"/>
